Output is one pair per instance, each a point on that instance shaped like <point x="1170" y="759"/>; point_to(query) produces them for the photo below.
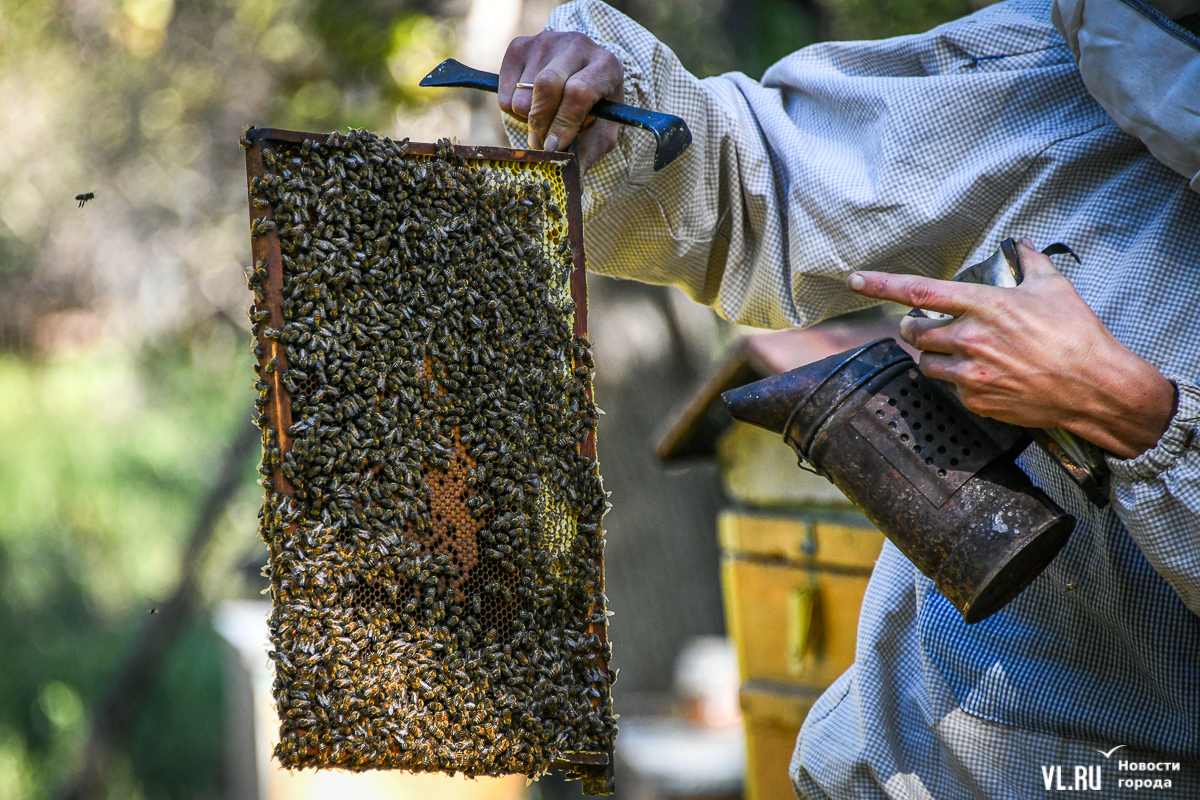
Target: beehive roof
<point x="693" y="430"/>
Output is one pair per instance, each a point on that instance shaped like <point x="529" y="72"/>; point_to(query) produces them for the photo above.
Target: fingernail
<point x="534" y="141"/>
<point x="1025" y="241"/>
<point x="551" y="143"/>
<point x="856" y="282"/>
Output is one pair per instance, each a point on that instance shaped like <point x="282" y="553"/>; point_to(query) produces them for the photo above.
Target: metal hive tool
<point x="433" y="501"/>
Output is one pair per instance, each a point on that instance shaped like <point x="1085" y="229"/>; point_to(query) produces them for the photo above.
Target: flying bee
<point x="83" y="198"/>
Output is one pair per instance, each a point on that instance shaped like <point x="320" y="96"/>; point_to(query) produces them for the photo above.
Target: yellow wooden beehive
<point x="796" y="556"/>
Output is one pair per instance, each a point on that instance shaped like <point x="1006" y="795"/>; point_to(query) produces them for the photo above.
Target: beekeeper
<point x="860" y="171"/>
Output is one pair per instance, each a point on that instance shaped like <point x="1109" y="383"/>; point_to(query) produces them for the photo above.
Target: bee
<point x="260" y="226"/>
<point x="85" y="197"/>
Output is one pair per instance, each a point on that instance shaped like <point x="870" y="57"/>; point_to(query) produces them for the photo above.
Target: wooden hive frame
<point x="594" y="767"/>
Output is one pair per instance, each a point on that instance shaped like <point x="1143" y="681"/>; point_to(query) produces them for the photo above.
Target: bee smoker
<point x="935" y="478"/>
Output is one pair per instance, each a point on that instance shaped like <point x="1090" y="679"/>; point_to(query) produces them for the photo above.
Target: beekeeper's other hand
<point x="1034" y="355"/>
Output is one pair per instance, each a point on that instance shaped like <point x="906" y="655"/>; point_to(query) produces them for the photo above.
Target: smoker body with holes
<point x="938" y="480"/>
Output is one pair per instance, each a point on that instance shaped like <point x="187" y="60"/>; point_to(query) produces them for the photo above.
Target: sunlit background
<point x="126" y="381"/>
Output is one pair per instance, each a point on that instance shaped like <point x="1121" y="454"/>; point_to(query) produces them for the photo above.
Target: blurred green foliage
<point x="140" y="102"/>
<point x="769" y="31"/>
<point x="877" y="19"/>
<point x="347" y="63"/>
<point x="715" y="36"/>
<point x="104" y="457"/>
<point x="106" y="448"/>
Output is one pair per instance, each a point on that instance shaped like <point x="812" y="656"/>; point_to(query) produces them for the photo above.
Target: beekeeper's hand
<point x="1034" y="355"/>
<point x="569" y="73"/>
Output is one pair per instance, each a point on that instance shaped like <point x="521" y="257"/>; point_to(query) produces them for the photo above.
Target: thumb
<point x="1033" y="263"/>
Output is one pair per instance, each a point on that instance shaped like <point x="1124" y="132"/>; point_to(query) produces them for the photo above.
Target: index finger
<point x="917" y="291"/>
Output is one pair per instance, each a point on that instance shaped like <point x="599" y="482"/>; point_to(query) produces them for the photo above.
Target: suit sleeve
<point x="1157" y="497"/>
<point x="893" y="155"/>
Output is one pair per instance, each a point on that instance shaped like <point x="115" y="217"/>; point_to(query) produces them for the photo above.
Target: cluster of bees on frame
<point x="436" y="567"/>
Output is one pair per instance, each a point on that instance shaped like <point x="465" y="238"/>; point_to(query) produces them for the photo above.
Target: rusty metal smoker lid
<point x="797" y="403"/>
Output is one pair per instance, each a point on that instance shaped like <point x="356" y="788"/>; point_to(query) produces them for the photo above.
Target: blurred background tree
<point x="124" y="369"/>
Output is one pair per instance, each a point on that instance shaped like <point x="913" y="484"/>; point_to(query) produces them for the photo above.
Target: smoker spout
<point x="768" y="403"/>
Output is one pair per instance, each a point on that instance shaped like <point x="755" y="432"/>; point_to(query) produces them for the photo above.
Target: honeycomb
<point x="432" y="508"/>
